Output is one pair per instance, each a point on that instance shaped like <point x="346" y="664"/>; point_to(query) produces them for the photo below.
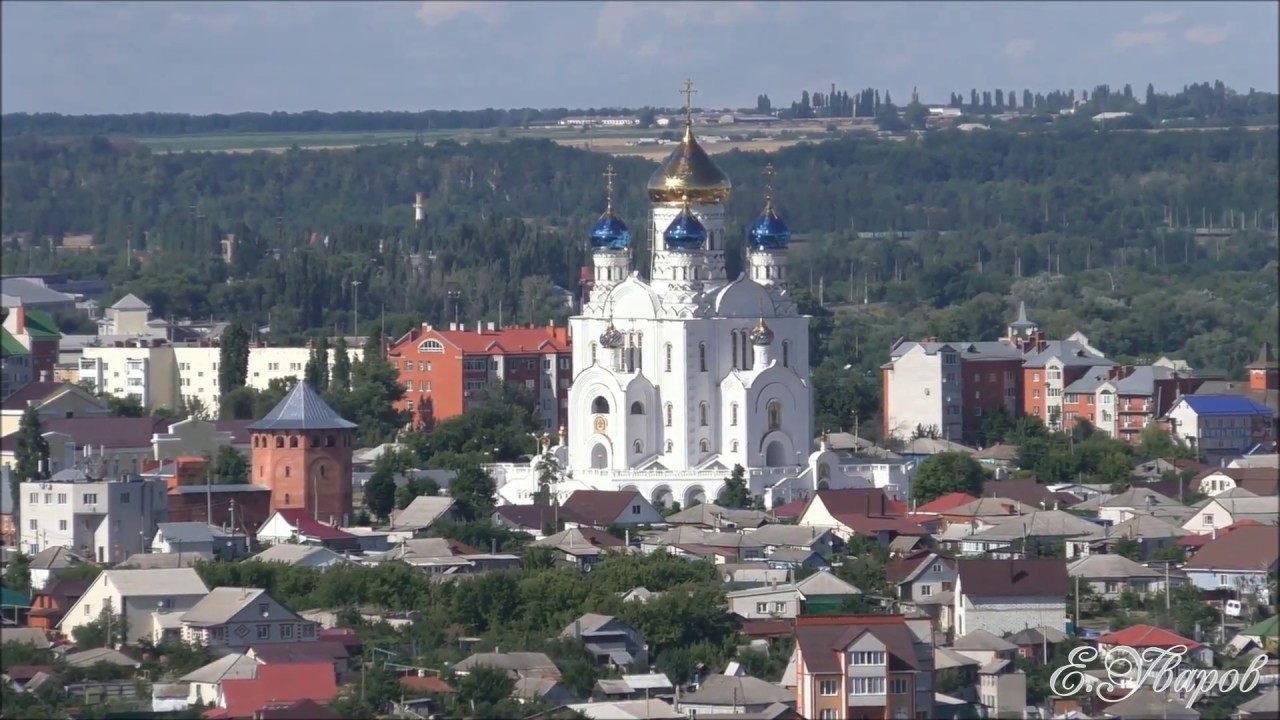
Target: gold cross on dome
<point x="768" y="187"/>
<point x="608" y="184"/>
<point x="688" y="93"/>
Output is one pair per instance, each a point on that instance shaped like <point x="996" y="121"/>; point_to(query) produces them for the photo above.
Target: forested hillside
<point x="1089" y="228"/>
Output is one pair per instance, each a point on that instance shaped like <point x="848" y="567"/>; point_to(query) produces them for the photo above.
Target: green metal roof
<point x="13" y="598"/>
<point x="1268" y="628"/>
<point x="41" y="325"/>
<point x="9" y="344"/>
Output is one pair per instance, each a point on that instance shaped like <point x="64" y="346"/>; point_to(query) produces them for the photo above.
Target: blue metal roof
<point x="302" y="409"/>
<point x="1225" y="405"/>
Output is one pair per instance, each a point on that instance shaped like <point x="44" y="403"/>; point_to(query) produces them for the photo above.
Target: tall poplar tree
<point x="31" y="457"/>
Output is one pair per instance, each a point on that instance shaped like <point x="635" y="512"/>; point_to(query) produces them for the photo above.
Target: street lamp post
<point x="454" y="296"/>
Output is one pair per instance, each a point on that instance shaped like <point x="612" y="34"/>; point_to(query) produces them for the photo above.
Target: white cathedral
<point x="682" y="376"/>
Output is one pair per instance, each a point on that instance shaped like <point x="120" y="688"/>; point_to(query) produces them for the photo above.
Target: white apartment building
<point x="1220" y="425"/>
<point x="163" y="376"/>
<point x="102" y="520"/>
<point x="923" y="389"/>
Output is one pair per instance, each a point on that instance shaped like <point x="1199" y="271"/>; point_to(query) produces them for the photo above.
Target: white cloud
<point x="1130" y="39"/>
<point x="1206" y="35"/>
<point x="1161" y="17"/>
<point x="1018" y="49"/>
<point x="434" y="13"/>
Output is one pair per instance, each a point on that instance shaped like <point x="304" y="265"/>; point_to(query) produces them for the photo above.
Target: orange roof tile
<point x="1145" y="636"/>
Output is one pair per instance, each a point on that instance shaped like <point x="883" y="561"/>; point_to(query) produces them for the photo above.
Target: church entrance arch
<point x="824" y="485"/>
<point x="663" y="497"/>
<point x="694" y="495"/>
<point x="599" y="457"/>
<point x="775" y="455"/>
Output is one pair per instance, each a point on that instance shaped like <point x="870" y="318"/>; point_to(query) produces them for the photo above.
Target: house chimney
<point x="45" y="376"/>
<point x="19" y="320"/>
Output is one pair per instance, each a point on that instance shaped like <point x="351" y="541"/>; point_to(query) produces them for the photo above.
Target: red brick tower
<point x="302" y="451"/>
<point x="1264" y="372"/>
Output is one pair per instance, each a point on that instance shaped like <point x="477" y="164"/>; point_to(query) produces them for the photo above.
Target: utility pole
<point x="355" y="322"/>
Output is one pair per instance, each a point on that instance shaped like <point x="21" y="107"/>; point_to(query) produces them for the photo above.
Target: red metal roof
<point x="427" y="683"/>
<point x="508" y="341"/>
<point x="1145" y="636"/>
<point x="950" y="501"/>
<point x="791" y="510"/>
<point x="308" y="526"/>
<point x="277" y="684"/>
<point x="1206" y="538"/>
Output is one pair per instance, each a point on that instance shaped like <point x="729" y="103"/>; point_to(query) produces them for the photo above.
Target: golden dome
<point x="689" y="171"/>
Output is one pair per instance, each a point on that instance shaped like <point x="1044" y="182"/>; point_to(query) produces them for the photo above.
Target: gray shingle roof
<point x="130" y="302"/>
<point x="422" y="513"/>
<point x="185" y="532"/>
<point x="179" y="582"/>
<point x="220" y="605"/>
<point x="302" y="409"/>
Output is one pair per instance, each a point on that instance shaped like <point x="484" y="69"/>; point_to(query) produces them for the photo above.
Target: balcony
<point x="876" y="700"/>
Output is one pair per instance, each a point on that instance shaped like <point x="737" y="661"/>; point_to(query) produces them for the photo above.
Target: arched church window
<point x="286" y="498"/>
<point x="733" y="414"/>
<point x="600" y="406"/>
<point x="733" y="446"/>
<point x="593" y="353"/>
<point x="279" y="442"/>
<point x="775" y="415"/>
<point x="328" y="441"/>
<point x="288" y="470"/>
<point x="746" y="349"/>
<point x="314" y="440"/>
<point x="702" y="357"/>
<point x="670" y="446"/>
<point x="667" y="354"/>
<point x="702" y="414"/>
<point x="786" y="353"/>
<point x="824" y="472"/>
<point x="638" y="447"/>
<point x="322" y="471"/>
<point x="734" y="336"/>
<point x="293" y="441"/>
<point x="704" y="446"/>
<point x="669" y="411"/>
<point x="637" y="408"/>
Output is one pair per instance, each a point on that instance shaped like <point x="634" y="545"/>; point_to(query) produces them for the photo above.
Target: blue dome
<point x="610" y="233"/>
<point x="769" y="232"/>
<point x="685" y="233"/>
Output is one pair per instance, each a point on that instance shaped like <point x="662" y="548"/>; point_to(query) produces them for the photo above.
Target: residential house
<point x="1147" y="704"/>
<point x="1005" y="596"/>
<point x="621" y="710"/>
<point x="154" y="561"/>
<point x="1051" y="366"/>
<point x="1111" y="575"/>
<point x="15" y="364"/>
<point x="709" y="516"/>
<point x="179" y="537"/>
<point x="32" y="344"/>
<point x="1123" y="400"/>
<point x="1221" y="426"/>
<point x="237" y="618"/>
<point x="633" y="687"/>
<point x="107" y="519"/>
<point x="51" y="602"/>
<point x="47" y="564"/>
<point x="1030" y="494"/>
<point x="690" y="541"/>
<point x="310" y="651"/>
<point x="517" y="664"/>
<point x="926" y="580"/>
<point x="608" y="508"/>
<point x="1153" y="534"/>
<point x="444" y="556"/>
<point x="423" y="512"/>
<point x="51" y="400"/>
<point x="30" y="636"/>
<point x="533" y="520"/>
<point x="1260" y="481"/>
<point x="1137" y="500"/>
<point x="1218" y="512"/>
<point x="1002" y="689"/>
<point x="137" y="595"/>
<point x="1241" y="560"/>
<point x="775" y="538"/>
<point x="819" y="592"/>
<point x="732" y="695"/>
<point x="444" y="372"/>
<point x="940" y="505"/>
<point x="301" y="556"/>
<point x="581" y="547"/>
<point x="296" y="525"/>
<point x="858" y="667"/>
<point x="272" y="686"/>
<point x="1040" y="529"/>
<point x="998" y="456"/>
<point x="863" y="512"/>
<point x="1038" y="643"/>
<point x="1148" y="637"/>
<point x="202" y="684"/>
<point x="984" y="647"/>
<point x="610" y="640"/>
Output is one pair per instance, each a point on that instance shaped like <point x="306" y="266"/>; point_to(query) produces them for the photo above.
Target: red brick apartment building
<point x="443" y="371"/>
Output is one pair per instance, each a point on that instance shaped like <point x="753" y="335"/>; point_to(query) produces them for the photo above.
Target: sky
<point x="225" y="57"/>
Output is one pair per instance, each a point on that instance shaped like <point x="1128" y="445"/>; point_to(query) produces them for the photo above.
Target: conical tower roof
<point x="1266" y="359"/>
<point x="302" y="409"/>
<point x="1021" y="320"/>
